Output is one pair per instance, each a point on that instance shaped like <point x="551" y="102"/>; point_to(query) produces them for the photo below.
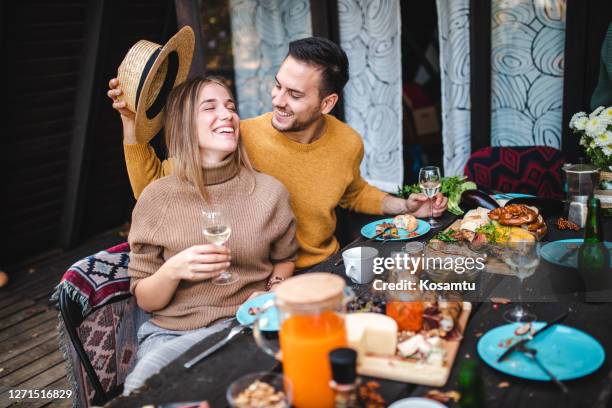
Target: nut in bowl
<point x="262" y="389"/>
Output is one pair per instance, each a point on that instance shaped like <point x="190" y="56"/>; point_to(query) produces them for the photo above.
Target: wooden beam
<point x="585" y="29"/>
<point x="188" y="13"/>
<point x="170" y="26"/>
<point x="324" y="19"/>
<point x="95" y="39"/>
<point x="325" y="23"/>
<point x="480" y="73"/>
<point x="575" y="72"/>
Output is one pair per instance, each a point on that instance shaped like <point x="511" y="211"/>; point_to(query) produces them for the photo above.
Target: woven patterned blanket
<point x="97" y="279"/>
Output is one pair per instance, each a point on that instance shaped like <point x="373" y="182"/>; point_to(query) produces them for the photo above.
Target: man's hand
<point x="418" y="204"/>
<point x="127" y="116"/>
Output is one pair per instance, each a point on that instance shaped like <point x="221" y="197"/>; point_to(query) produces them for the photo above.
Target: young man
<point x="316" y="156"/>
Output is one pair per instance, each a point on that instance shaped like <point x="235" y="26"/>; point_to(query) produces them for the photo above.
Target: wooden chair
<point x="99" y="320"/>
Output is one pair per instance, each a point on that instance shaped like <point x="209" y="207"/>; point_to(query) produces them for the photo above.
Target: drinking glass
<point x="523" y="259"/>
<point x="311" y="310"/>
<point x="430" y="182"/>
<point x="217" y="231"/>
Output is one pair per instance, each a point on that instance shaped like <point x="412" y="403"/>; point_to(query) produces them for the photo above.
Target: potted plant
<point x="595" y="132"/>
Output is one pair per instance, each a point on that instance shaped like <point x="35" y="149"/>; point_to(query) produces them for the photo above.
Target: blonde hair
<point x="181" y="135"/>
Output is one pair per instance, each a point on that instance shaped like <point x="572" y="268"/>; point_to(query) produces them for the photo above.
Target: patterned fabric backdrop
<point x="454" y="32"/>
<point x="370" y="35"/>
<point x="527" y="60"/>
<point x="261" y="32"/>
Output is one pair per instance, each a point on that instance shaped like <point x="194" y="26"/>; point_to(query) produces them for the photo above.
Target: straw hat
<point x="148" y="73"/>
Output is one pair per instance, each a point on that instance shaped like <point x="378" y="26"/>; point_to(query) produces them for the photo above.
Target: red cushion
<point x="532" y="170"/>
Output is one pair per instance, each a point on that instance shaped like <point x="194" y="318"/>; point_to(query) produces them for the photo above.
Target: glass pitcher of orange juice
<point x="310" y="308"/>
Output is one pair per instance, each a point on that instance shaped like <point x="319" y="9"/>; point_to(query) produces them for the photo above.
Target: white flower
<point x="607" y="150"/>
<point x="594" y="126"/>
<point x="606" y="115"/>
<point x="603" y="139"/>
<point x="584" y="141"/>
<point x="580" y="122"/>
<point x="592" y="145"/>
<point x="576" y="116"/>
<point x="596" y="112"/>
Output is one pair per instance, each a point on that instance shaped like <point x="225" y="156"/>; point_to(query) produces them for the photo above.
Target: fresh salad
<point x="446" y="236"/>
<point x="452" y="187"/>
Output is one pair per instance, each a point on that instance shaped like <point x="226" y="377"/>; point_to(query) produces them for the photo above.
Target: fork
<point x="236" y="330"/>
<point x="533" y="354"/>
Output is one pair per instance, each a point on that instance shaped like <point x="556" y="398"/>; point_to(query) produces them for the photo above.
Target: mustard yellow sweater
<point x="319" y="176"/>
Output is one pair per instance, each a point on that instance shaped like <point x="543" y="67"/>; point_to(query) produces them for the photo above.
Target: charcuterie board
<point x="412" y="370"/>
<point x="493" y="264"/>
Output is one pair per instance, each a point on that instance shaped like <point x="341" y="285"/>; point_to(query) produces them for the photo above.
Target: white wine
<point x="217" y="234"/>
<point x="430" y="188"/>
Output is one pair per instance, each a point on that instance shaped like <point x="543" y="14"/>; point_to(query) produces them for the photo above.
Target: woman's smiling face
<point x="218" y="123"/>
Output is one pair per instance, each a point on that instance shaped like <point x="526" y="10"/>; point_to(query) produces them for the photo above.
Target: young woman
<point x="171" y="265"/>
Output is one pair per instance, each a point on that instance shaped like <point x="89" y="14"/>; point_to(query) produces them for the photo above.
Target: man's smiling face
<point x="296" y="96"/>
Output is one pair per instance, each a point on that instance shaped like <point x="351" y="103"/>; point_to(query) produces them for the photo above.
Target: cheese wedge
<point x="371" y="333"/>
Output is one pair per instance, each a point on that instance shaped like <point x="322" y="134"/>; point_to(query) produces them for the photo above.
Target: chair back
<point x="532" y="170"/>
<point x="99" y="322"/>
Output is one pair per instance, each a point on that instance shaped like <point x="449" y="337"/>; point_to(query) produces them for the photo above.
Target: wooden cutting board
<point x="413" y="371"/>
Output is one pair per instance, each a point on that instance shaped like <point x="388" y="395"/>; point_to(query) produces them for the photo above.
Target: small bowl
<point x="276" y="381"/>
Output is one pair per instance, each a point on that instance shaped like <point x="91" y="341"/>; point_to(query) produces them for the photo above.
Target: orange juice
<point x="305" y="342"/>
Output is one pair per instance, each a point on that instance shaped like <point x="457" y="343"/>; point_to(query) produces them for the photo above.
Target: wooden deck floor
<point x="29" y="353"/>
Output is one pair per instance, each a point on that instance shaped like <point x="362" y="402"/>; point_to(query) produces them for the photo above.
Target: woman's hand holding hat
<point x="127" y="116"/>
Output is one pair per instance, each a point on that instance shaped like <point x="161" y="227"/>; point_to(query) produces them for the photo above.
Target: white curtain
<point x="454" y="32"/>
<point x="527" y="63"/>
<point x="370" y="35"/>
<point x="261" y="33"/>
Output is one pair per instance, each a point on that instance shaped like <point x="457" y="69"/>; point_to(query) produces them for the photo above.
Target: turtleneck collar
<point x="217" y="173"/>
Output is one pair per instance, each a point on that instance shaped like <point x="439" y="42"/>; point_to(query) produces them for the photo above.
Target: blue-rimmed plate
<point x="510" y="196"/>
<point x="503" y="198"/>
<point x="369" y="230"/>
<point x="269" y="319"/>
<point x="567" y="352"/>
<point x="565" y="252"/>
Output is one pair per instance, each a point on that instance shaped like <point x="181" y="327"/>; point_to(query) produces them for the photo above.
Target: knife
<point x="233" y="333"/>
<point x="570" y="251"/>
<point x="522" y="343"/>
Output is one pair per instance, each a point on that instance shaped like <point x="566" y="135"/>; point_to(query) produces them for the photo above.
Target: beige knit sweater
<point x="168" y="219"/>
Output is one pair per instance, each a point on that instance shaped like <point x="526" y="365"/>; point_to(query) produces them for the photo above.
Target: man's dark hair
<point x="327" y="56"/>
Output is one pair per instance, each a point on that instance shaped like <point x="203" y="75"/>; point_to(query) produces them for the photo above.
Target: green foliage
<point x="446" y="236"/>
<point x="452" y="187"/>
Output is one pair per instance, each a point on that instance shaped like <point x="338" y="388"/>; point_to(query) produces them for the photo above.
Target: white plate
<point x="414" y="402"/>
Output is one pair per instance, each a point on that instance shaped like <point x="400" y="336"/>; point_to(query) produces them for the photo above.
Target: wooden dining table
<point x="210" y="379"/>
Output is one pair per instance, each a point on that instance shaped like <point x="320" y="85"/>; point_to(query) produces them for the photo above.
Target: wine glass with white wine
<point x="430" y="182"/>
<point x="217" y="231"/>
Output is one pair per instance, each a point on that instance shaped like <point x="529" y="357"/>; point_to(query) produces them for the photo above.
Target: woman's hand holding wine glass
<point x="199" y="263"/>
<point x="217" y="230"/>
